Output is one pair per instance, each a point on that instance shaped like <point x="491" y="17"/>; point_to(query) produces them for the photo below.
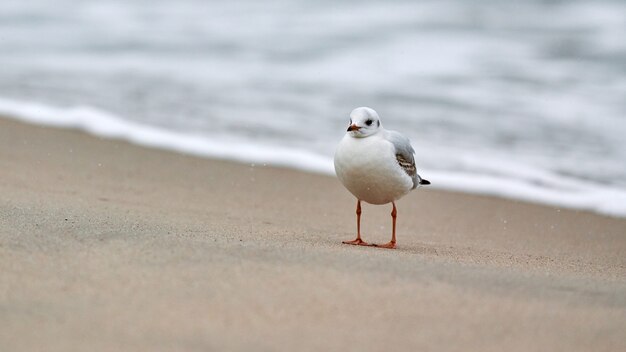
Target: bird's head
<point x="364" y="122"/>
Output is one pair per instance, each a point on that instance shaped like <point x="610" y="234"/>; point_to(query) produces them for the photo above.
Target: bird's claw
<point x="389" y="245"/>
<point x="357" y="242"/>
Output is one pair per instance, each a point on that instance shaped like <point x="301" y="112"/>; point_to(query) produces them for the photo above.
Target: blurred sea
<point x="521" y="99"/>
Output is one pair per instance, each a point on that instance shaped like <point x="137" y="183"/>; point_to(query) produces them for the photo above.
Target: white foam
<point x="104" y="124"/>
<point x="533" y="185"/>
<point x="603" y="200"/>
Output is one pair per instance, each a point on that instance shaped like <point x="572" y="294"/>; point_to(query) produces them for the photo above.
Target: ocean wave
<point x="104" y="124"/>
<point x="538" y="186"/>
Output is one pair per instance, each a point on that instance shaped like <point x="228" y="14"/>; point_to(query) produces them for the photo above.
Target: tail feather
<point x="424" y="182"/>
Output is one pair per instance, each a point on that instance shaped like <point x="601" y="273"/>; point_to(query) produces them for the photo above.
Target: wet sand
<point x="109" y="246"/>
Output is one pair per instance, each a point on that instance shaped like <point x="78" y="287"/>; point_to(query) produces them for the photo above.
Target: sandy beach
<point x="108" y="246"/>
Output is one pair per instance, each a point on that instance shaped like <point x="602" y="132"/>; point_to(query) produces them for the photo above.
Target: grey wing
<point x="405" y="156"/>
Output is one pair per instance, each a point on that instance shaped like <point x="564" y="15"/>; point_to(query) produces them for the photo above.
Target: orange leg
<point x="358" y="240"/>
<point x="392" y="243"/>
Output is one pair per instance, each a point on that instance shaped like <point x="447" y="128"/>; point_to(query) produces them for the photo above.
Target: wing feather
<point x="405" y="156"/>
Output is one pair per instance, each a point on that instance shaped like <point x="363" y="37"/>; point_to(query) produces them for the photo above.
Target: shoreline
<point x="111" y="245"/>
<point x="543" y="187"/>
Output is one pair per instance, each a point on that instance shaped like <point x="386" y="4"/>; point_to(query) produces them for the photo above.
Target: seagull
<point x="376" y="165"/>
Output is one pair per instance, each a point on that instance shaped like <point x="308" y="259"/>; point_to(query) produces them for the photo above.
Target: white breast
<point x="368" y="168"/>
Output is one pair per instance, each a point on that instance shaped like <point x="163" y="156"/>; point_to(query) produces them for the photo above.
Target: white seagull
<point x="376" y="165"/>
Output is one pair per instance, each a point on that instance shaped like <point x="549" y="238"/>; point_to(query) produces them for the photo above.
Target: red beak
<point x="353" y="128"/>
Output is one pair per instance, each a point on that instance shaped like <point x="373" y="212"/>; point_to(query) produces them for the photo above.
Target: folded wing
<point x="405" y="156"/>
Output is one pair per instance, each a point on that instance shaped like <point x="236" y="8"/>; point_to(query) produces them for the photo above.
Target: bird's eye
<point x="368" y="122"/>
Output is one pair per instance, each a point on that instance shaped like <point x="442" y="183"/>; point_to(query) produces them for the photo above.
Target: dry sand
<point x="105" y="246"/>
